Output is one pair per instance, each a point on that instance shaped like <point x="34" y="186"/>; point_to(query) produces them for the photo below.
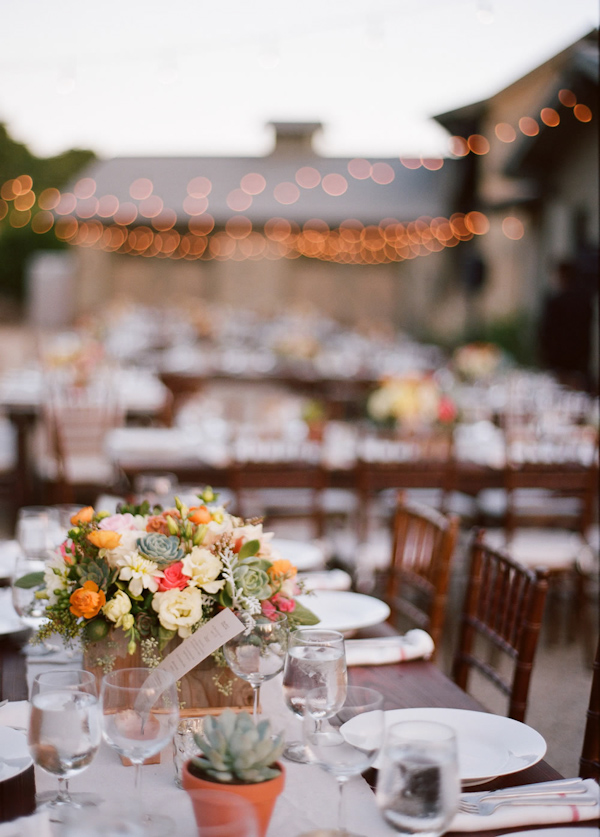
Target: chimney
<point x="294" y="138"/>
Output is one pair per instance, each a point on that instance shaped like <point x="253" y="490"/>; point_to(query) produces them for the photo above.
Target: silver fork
<point x="487" y="807"/>
<point x="551" y="792"/>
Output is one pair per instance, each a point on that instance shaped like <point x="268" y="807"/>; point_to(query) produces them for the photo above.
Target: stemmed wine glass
<point x="418" y="784"/>
<point x="316" y="658"/>
<point x="38" y="531"/>
<point x="258" y="653"/>
<point x="140" y="713"/>
<point x="64" y="732"/>
<point x="344" y="754"/>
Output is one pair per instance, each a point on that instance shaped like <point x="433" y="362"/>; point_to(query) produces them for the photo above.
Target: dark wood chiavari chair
<point x="503" y="612"/>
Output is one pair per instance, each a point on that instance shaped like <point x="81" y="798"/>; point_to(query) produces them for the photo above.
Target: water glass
<point x="184" y="746"/>
<point x="418" y="785"/>
<point x="316" y="658"/>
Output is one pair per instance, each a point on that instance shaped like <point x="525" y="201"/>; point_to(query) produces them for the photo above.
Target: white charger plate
<point x="14" y="753"/>
<point x="340" y="610"/>
<point x="488" y="745"/>
<point x="304" y="556"/>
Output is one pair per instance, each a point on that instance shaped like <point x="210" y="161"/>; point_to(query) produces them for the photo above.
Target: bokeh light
<point x="253" y="184"/>
<point x="286" y="193"/>
<point x="432" y="163"/>
<point x="8" y="192"/>
<point x="529" y="126"/>
<point x="334" y="184"/>
<point x="84" y="188"/>
<point x="513" y="228"/>
<point x="382" y="173"/>
<point x="199" y="187"/>
<point x="478" y="144"/>
<point x="458" y="146"/>
<point x="42" y="222"/>
<point x="359" y="168"/>
<point x="195" y="206"/>
<point x="239" y="227"/>
<point x="151" y="207"/>
<point x="567" y="98"/>
<point x="18" y="218"/>
<point x="49" y="199"/>
<point x="201" y="225"/>
<point x="107" y="206"/>
<point x="238" y="201"/>
<point x="410" y="162"/>
<point x="66" y="204"/>
<point x="583" y="113"/>
<point x="550" y="117"/>
<point x="141" y="189"/>
<point x="165" y="221"/>
<point x="24" y="201"/>
<point x="278" y="229"/>
<point x="126" y="214"/>
<point x="87" y="208"/>
<point x="307" y="177"/>
<point x="505" y="132"/>
<point x="477" y="223"/>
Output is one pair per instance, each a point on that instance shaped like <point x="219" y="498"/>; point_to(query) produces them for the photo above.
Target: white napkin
<point x="414" y="645"/>
<point x="36" y="825"/>
<point x="326" y="580"/>
<point x="512" y="816"/>
<point x="15" y="714"/>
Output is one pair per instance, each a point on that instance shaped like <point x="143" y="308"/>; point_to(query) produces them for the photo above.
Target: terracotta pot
<point x="262" y="795"/>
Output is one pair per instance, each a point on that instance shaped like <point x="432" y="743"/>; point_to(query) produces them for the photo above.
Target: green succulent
<point x="97" y="571"/>
<point x="162" y="549"/>
<point x="235" y="749"/>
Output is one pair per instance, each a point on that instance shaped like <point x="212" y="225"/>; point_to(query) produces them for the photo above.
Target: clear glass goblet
<point x="64" y="733"/>
<point x="26" y="584"/>
<point x="140" y="713"/>
<point x="316" y="658"/>
<point x="418" y="785"/>
<point x="344" y="752"/>
<point x="258" y="653"/>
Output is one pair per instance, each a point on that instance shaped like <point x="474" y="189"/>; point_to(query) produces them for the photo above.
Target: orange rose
<point x="157" y="524"/>
<point x="280" y="568"/>
<point x="82" y="516"/>
<point x="199" y="515"/>
<point x="87" y="600"/>
<point x="105" y="539"/>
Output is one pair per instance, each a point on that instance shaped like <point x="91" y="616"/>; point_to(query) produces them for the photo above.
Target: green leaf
<point x="26" y="582"/>
<point x="249" y="549"/>
<point x="303" y="616"/>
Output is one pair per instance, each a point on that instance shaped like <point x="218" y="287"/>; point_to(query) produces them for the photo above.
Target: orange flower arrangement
<point x="86" y="601"/>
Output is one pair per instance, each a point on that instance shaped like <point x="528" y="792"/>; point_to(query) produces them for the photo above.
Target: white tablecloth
<point x="309" y="800"/>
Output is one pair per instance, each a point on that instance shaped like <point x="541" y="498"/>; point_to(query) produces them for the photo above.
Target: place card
<point x="222" y="627"/>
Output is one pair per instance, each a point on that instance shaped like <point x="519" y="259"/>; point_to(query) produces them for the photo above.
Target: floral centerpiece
<point x="412" y="401"/>
<point x="477" y="361"/>
<point x="150" y="576"/>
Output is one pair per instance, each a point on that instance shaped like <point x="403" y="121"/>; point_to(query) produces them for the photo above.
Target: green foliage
<point x="234" y="748"/>
<point x="17" y="245"/>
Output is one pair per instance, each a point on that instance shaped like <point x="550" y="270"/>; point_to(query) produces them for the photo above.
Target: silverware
<point x="546" y="793"/>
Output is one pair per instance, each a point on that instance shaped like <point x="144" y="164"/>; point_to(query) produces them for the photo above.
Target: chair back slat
<point x="417" y="582"/>
<point x="504" y="606"/>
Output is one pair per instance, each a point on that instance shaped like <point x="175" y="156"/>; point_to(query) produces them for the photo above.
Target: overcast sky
<point x="203" y="77"/>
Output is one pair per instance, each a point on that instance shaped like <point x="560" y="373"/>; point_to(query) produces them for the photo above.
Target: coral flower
<point x="104" y="539"/>
<point x="86" y="601"/>
<point x="200" y="515"/>
<point x="282" y="568"/>
<point x="82" y="516"/>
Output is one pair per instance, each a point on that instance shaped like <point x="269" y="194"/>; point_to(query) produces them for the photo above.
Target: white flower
<point x="55" y="576"/>
<point x="126" y="546"/>
<point x="179" y="610"/>
<point x="139" y="572"/>
<point x="203" y="568"/>
<point x="117" y="609"/>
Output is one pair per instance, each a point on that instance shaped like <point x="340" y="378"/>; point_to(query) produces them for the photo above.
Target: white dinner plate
<point x="488" y="745"/>
<point x="304" y="556"/>
<point x="14" y="753"/>
<point x="341" y="610"/>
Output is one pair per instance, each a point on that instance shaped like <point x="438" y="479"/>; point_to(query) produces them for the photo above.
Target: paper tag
<point x="203" y="642"/>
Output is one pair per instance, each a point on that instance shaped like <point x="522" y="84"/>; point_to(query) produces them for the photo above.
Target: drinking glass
<point x="418" y="785"/>
<point x="316" y="658"/>
<point x="64" y="732"/>
<point x="344" y="753"/>
<point x="258" y="653"/>
<point x="38" y="531"/>
<point x="24" y="590"/>
<point x="140" y="712"/>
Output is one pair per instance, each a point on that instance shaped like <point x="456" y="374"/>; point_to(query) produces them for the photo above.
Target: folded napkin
<point x="15" y="714"/>
<point x="36" y="825"/>
<point x="538" y="813"/>
<point x="326" y="580"/>
<point x="414" y="645"/>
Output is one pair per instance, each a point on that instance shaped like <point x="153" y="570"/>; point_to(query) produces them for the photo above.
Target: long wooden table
<point x="405" y="685"/>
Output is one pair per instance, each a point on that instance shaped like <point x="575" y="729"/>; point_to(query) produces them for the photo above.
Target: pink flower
<point x="173" y="578"/>
<point x="283" y="604"/>
<point x="269" y="610"/>
<point x="118" y="523"/>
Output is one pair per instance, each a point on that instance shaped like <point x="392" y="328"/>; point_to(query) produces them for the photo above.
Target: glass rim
<point x="307" y="635"/>
<point x="106" y="678"/>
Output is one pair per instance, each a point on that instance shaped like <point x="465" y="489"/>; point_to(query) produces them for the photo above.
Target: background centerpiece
<point x="132" y="585"/>
<point x="411" y="402"/>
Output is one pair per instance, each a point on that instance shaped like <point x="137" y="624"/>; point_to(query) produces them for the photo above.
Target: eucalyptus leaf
<point x="249" y="549"/>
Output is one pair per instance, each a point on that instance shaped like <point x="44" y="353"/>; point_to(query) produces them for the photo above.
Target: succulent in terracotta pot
<point x="241" y="756"/>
